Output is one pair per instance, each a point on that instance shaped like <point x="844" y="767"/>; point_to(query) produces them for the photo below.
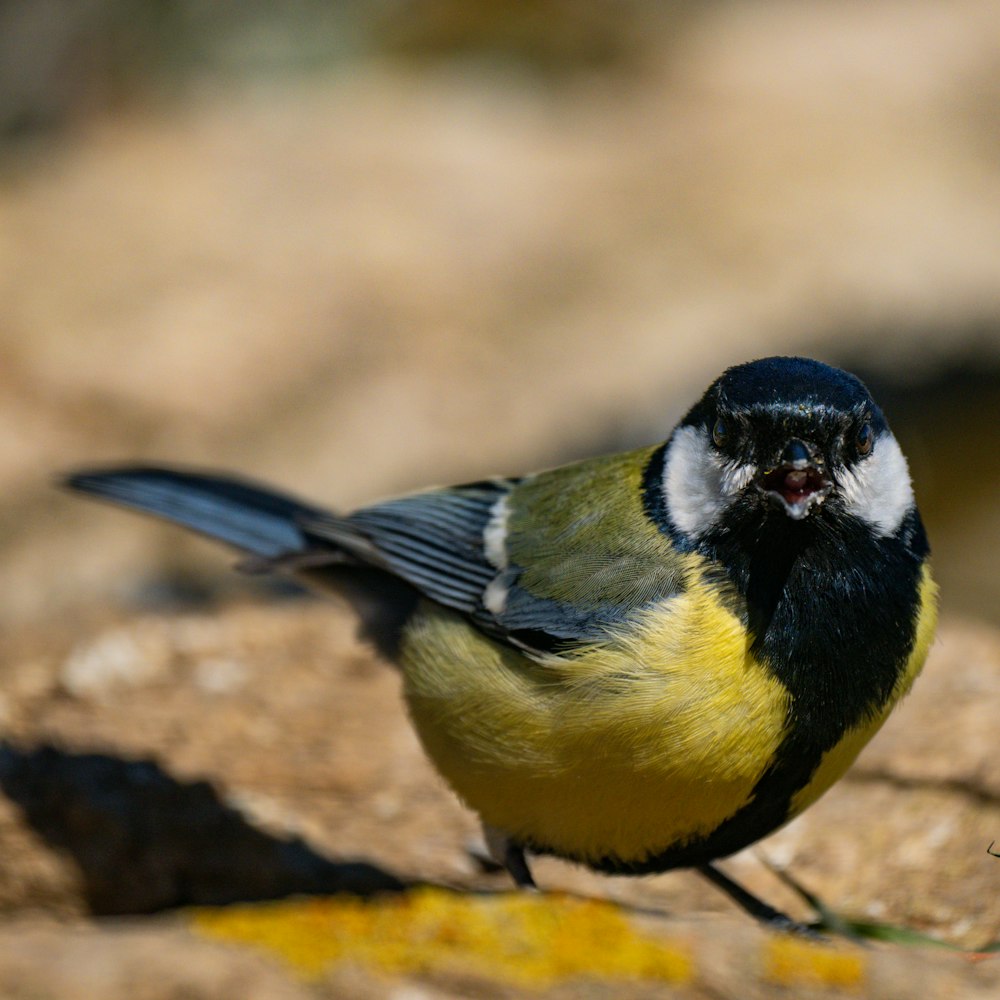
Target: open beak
<point x="798" y="483"/>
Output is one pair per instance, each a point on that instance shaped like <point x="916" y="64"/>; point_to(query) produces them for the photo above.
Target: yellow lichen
<point x="794" y="963"/>
<point x="532" y="941"/>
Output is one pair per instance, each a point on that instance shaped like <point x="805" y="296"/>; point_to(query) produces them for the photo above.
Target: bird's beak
<point x="797" y="482"/>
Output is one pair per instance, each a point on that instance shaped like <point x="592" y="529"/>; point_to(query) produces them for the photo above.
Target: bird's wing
<point x="543" y="563"/>
<point x="432" y="540"/>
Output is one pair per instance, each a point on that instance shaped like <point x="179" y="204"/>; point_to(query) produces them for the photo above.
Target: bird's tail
<point x="250" y="517"/>
<point x="270" y="528"/>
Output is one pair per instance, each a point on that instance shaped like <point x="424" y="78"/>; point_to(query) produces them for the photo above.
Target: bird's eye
<point x="865" y="439"/>
<point x="720" y="433"/>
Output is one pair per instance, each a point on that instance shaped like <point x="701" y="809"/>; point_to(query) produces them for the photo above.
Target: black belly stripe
<point x="833" y="611"/>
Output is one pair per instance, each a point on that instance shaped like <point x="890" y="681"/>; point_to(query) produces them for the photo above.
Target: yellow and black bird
<point x="642" y="661"/>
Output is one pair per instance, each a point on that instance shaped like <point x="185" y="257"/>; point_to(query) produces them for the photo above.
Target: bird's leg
<point x="517" y="864"/>
<point x="510" y="855"/>
<point x="749" y="903"/>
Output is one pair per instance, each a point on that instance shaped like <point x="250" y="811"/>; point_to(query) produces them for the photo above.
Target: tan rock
<point x="128" y="962"/>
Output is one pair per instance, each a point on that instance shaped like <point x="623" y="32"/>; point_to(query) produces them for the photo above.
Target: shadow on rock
<point x="146" y="842"/>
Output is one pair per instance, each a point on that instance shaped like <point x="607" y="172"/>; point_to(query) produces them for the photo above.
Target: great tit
<point x="637" y="662"/>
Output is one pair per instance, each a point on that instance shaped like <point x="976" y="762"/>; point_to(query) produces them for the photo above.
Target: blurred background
<point x="359" y="248"/>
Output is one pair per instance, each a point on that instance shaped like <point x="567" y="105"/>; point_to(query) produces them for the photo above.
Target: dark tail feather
<point x="249" y="517"/>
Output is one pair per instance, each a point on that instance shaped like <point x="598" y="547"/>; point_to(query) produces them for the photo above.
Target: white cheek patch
<point x="878" y="489"/>
<point x="698" y="483"/>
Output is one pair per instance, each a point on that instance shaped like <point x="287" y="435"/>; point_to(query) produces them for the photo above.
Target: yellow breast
<point x="622" y="749"/>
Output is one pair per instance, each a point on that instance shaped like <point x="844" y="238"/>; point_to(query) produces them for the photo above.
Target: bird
<point x="637" y="662"/>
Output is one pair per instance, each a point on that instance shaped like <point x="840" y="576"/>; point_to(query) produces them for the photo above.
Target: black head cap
<point x="786" y="383"/>
<point x="790" y="380"/>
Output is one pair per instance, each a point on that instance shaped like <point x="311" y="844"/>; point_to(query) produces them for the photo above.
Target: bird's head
<point x="784" y="438"/>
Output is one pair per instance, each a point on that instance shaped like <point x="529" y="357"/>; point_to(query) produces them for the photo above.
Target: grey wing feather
<point x="432" y="540"/>
<point x="435" y="541"/>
